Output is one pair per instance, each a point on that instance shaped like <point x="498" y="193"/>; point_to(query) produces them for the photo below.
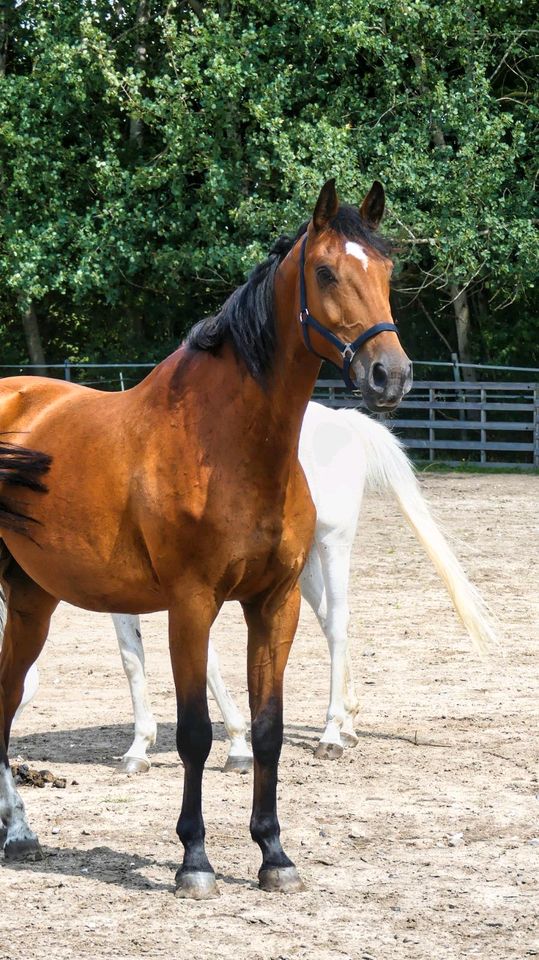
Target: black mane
<point x="246" y="319"/>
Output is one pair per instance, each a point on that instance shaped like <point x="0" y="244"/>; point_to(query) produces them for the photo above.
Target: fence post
<point x="67" y="370"/>
<point x="432" y="417"/>
<point x="536" y="425"/>
<point x="483" y="418"/>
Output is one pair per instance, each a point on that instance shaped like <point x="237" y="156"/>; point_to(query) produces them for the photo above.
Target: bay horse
<point x="186" y="491"/>
<point x="343" y="453"/>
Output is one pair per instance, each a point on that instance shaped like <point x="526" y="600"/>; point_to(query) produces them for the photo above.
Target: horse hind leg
<point x="29" y="610"/>
<point x="129" y="636"/>
<point x="31" y="681"/>
<point x="335" y="561"/>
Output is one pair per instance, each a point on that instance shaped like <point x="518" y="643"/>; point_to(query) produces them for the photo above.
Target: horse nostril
<point x="379" y="377"/>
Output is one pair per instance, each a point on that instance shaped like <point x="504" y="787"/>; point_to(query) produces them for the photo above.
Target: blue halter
<point x="346" y="350"/>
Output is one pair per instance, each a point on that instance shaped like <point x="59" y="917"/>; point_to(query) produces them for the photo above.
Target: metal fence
<point x="492" y="421"/>
<point x="492" y="424"/>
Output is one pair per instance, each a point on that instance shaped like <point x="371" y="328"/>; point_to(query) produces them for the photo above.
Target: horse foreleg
<point x="28" y="618"/>
<point x="270" y="638"/>
<point x="189" y="626"/>
<point x="335" y="563"/>
<point x="127" y="628"/>
<point x="240" y="757"/>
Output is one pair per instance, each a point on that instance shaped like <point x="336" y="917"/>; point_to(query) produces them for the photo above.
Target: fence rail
<point x="490" y="424"/>
<point x="487" y="422"/>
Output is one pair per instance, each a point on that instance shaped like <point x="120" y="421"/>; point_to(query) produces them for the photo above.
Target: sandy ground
<point x="423" y="842"/>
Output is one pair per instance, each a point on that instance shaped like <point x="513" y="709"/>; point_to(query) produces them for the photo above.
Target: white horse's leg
<point x="335" y="563"/>
<point x="334" y="621"/>
<point x="127" y="627"/>
<point x="312" y="585"/>
<point x="240" y="755"/>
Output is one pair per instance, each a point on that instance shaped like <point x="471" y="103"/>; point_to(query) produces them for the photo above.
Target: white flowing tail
<point x="388" y="467"/>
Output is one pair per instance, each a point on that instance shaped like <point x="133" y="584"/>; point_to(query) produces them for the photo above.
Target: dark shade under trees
<point x="151" y="152"/>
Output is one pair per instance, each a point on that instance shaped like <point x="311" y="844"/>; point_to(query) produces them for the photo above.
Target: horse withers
<point x="194" y="478"/>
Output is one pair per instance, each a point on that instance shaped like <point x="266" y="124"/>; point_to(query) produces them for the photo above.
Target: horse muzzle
<point x="384" y="381"/>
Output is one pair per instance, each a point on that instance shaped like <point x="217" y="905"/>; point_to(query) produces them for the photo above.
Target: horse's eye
<point x="325" y="276"/>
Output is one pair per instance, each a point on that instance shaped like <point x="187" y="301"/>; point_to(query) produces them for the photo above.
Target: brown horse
<point x="186" y="491"/>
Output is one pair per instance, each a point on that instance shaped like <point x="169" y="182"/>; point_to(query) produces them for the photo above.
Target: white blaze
<point x="357" y="251"/>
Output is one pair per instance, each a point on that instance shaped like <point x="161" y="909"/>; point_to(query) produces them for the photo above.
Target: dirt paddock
<point x="423" y="842"/>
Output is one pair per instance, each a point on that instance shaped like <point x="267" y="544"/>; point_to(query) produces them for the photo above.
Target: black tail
<point x="23" y="468"/>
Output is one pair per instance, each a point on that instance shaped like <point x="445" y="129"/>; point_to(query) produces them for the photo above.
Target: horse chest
<point x="270" y="549"/>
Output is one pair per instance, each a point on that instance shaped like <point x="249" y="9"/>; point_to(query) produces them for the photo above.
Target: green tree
<point x="149" y="152"/>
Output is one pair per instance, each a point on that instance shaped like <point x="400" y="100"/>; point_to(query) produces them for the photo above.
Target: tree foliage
<point x="149" y="153"/>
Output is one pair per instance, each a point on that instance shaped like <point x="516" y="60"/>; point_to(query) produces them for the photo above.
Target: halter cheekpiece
<point x="346" y="350"/>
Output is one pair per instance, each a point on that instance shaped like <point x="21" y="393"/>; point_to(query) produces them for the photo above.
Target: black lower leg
<point x="194" y="738"/>
<point x="267" y="739"/>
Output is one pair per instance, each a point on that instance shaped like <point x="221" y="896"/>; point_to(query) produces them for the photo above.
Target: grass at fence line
<point x="438" y="466"/>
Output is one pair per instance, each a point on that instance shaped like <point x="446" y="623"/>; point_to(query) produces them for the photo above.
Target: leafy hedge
<point x="149" y="153"/>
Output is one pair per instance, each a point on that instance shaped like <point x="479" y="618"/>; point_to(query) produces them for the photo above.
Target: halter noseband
<point x="346" y="350"/>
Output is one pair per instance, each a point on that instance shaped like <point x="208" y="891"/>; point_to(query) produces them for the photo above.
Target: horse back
<point x="22" y="399"/>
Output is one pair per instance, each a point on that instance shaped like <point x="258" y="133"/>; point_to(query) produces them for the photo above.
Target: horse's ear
<point x="327" y="205"/>
<point x="372" y="208"/>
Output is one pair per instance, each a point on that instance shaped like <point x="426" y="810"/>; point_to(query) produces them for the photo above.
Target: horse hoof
<point x="196" y="886"/>
<point x="280" y="880"/>
<point x="135" y="765"/>
<point x="27" y="850"/>
<point x="328" y="751"/>
<point x="349" y="739"/>
<point x="238" y="764"/>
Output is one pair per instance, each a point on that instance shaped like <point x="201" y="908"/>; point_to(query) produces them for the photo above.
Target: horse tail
<point x="20" y="467"/>
<point x="388" y="467"/>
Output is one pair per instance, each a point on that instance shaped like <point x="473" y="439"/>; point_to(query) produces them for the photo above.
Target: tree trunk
<point x="33" y="340"/>
<point x="6" y="13"/>
<point x="462" y="324"/>
<point x="135" y="123"/>
<point x="459" y="297"/>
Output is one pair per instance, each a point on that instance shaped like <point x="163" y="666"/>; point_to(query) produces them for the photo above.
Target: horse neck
<point x="293" y="377"/>
<point x="267" y="417"/>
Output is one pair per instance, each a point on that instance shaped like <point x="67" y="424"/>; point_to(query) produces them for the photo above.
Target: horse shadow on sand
<point x="111" y="866"/>
<point x="104" y="745"/>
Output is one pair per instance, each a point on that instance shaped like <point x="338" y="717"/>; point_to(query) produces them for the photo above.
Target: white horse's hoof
<point x="328" y="751"/>
<point x="349" y="739"/>
<point x="27" y="850"/>
<point x="135" y="765"/>
<point x="238" y="764"/>
<point x="196" y="886"/>
<point x="281" y="880"/>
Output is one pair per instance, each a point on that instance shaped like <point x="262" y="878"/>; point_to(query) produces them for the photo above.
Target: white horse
<point x="342" y="452"/>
